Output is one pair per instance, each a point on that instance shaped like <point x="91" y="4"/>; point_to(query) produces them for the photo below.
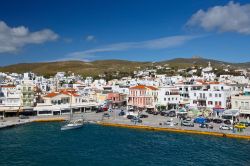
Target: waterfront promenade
<point x="153" y="122"/>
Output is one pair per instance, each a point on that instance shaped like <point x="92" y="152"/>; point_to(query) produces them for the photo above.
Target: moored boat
<point x="73" y="125"/>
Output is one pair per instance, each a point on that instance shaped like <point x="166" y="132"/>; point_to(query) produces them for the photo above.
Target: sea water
<point x="43" y="144"/>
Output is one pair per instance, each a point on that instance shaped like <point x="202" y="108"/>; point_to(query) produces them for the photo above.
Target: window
<point x="210" y="94"/>
<point x="219" y="103"/>
<point x="236" y="103"/>
<point x="246" y="105"/>
<point x="164" y="99"/>
<point x="194" y="94"/>
<point x="219" y="95"/>
<point x="210" y="103"/>
<point x="242" y="104"/>
<point x="216" y="95"/>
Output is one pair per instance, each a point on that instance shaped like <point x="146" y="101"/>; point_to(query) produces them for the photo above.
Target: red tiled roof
<point x="144" y="87"/>
<point x="69" y="93"/>
<point x="53" y="94"/>
<point x="213" y="82"/>
<point x="202" y="82"/>
<point x="205" y="83"/>
<point x="152" y="87"/>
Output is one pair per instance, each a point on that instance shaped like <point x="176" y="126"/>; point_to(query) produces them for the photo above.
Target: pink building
<point x="143" y="97"/>
<point x="117" y="99"/>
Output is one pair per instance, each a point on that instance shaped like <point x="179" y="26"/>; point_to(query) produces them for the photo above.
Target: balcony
<point x="201" y="98"/>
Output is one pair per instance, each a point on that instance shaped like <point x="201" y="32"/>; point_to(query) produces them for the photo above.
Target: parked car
<point x="136" y="120"/>
<point x="188" y="119"/>
<point x="203" y="125"/>
<point x="122" y="113"/>
<point x="143" y="116"/>
<point x="170" y="123"/>
<point x="240" y="126"/>
<point x="106" y="115"/>
<point x="206" y="125"/>
<point x="99" y="110"/>
<point x="182" y="116"/>
<point x="187" y="123"/>
<point x="171" y="113"/>
<point x="150" y="111"/>
<point x="225" y="127"/>
<point x="208" y="120"/>
<point x="23" y="117"/>
<point x="130" y="116"/>
<point x="155" y="113"/>
<point x="131" y="110"/>
<point x="162" y="113"/>
<point x="217" y="120"/>
<point x="246" y="123"/>
<point x="210" y="126"/>
<point x="200" y="120"/>
<point x="228" y="122"/>
<point x="105" y="108"/>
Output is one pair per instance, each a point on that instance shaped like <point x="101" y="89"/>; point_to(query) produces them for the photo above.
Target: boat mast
<point x="71" y="112"/>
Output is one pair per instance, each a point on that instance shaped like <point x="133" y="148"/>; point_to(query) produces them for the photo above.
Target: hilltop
<point x="95" y="68"/>
<point x="78" y="67"/>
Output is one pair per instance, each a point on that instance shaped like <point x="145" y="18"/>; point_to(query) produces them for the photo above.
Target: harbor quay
<point x="151" y="122"/>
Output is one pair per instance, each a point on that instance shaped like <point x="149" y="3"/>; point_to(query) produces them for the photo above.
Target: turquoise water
<point x="44" y="144"/>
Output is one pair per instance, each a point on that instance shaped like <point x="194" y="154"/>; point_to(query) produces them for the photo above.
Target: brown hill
<point x="109" y="66"/>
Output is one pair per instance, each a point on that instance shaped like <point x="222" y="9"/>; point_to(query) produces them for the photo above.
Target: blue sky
<point x="139" y="30"/>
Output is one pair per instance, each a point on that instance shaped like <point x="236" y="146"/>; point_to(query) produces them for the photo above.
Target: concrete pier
<point x="151" y="123"/>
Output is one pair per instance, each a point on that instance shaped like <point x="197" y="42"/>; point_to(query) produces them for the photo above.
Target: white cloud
<point x="14" y="38"/>
<point x="160" y="43"/>
<point x="232" y="17"/>
<point x="90" y="38"/>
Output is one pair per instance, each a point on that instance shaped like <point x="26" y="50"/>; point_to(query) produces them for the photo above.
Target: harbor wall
<point x="217" y="134"/>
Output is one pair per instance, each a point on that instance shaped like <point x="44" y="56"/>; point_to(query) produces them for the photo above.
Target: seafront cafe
<point x="231" y="114"/>
<point x="218" y="111"/>
<point x="9" y="111"/>
<point x="43" y="109"/>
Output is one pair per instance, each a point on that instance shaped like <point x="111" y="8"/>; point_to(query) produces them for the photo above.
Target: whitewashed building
<point x="168" y="96"/>
<point x="242" y="103"/>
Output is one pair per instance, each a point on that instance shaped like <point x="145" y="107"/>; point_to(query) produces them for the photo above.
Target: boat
<point x="73" y="124"/>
